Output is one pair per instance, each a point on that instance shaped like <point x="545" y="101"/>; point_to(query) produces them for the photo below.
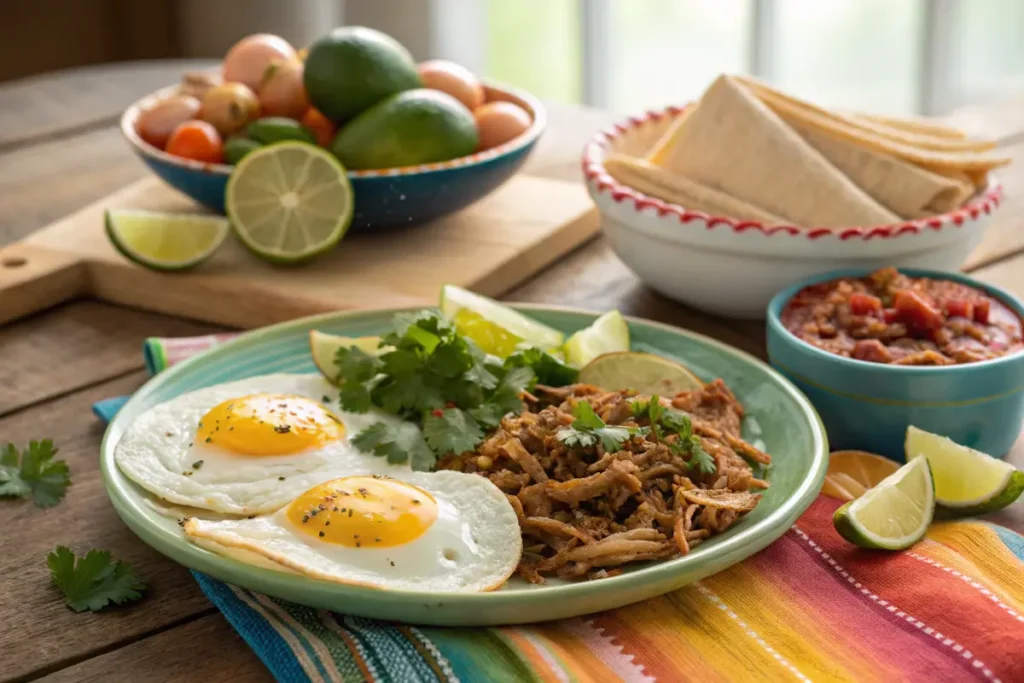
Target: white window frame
<point x="456" y="29"/>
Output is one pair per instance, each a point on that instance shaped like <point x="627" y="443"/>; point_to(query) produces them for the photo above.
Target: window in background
<point x="988" y="49"/>
<point x="859" y="54"/>
<point x="668" y="51"/>
<point x="536" y="45"/>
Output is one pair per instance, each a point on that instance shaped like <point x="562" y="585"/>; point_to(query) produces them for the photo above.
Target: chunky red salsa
<point x="889" y="317"/>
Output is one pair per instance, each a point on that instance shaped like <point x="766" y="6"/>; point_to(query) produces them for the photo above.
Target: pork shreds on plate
<point x="585" y="512"/>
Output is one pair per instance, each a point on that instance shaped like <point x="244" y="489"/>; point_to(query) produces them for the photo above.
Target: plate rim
<point x="175" y="548"/>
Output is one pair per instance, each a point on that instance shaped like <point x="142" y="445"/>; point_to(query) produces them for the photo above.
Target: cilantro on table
<point x="93" y="581"/>
<point x="664" y="422"/>
<point x="588" y="429"/>
<point x="37" y="474"/>
<point x="448" y="390"/>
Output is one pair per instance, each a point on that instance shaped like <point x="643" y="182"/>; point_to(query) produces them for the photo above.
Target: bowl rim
<point x="778" y="302"/>
<point x="538" y="116"/>
<point x="600" y="182"/>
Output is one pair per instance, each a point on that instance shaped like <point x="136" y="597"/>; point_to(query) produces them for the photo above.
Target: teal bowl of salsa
<point x="877" y="351"/>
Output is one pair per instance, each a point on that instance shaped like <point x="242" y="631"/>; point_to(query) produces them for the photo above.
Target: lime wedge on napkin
<point x="289" y="202"/>
<point x="165" y="241"/>
<point x="893" y="515"/>
<point x="607" y="334"/>
<point x="323" y="347"/>
<point x="967" y="482"/>
<point x="496" y="328"/>
<point x="644" y="372"/>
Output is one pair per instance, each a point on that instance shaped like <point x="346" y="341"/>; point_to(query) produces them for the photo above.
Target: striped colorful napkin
<point x="810" y="607"/>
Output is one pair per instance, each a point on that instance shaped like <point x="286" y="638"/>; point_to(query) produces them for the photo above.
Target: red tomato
<point x="982" y="309"/>
<point x="197" y="140"/>
<point x="872" y="351"/>
<point x="864" y="304"/>
<point x="319" y="125"/>
<point x="959" y="308"/>
<point x="915" y="311"/>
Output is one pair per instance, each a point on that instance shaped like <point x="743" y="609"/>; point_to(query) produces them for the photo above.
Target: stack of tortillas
<point x="750" y="152"/>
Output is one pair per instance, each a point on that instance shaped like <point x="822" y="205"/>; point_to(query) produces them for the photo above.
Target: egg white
<point x="159" y="448"/>
<point x="473" y="545"/>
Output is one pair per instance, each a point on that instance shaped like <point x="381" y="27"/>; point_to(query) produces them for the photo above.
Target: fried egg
<point x="440" y="531"/>
<point x="247" y="447"/>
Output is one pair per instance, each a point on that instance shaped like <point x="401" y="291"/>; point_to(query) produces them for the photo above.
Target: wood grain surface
<point x="59" y="151"/>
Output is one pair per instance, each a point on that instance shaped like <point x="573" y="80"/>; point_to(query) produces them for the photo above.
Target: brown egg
<point x="499" y="122"/>
<point x="454" y="79"/>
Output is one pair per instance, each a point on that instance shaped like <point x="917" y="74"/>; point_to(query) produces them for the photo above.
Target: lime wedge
<point x="289" y="202"/>
<point x="967" y="482"/>
<point x="165" y="241"/>
<point x="323" y="347"/>
<point x="893" y="515"/>
<point x="495" y="328"/>
<point x="644" y="372"/>
<point x="607" y="334"/>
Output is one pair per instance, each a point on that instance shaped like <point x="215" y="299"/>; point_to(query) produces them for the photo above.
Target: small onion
<point x="246" y="61"/>
<point x="229" y="107"/>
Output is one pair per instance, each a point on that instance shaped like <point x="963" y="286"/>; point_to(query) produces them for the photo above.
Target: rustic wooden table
<point x="59" y="150"/>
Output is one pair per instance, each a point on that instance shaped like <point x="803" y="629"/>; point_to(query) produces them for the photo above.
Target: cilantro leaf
<point x="397" y="443"/>
<point x="452" y="431"/>
<point x="355" y="365"/>
<point x="700" y="461"/>
<point x="585" y="416"/>
<point x="588" y="429"/>
<point x="39" y="474"/>
<point x="11" y="483"/>
<point x="409" y="396"/>
<point x="355" y="397"/>
<point x="94" y="581"/>
<point x="549" y="369"/>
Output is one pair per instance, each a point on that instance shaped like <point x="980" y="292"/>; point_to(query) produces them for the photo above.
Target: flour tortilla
<point x="733" y="143"/>
<point x="911" y="125"/>
<point x="930" y="152"/>
<point x="655" y="181"/>
<point x="904" y="188"/>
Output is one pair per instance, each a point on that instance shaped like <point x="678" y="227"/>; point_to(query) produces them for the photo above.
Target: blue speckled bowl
<point x="385" y="198"/>
<point x="867" y="406"/>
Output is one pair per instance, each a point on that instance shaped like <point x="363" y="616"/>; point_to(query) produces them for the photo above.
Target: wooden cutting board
<point x="489" y="247"/>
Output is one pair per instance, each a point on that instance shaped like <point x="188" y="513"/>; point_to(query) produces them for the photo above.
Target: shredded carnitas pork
<point x="586" y="512"/>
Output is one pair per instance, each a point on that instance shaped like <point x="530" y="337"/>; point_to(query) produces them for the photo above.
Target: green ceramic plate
<point x="779" y="419"/>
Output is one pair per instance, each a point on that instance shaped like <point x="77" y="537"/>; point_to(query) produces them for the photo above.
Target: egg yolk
<point x="364" y="512"/>
<point x="268" y="424"/>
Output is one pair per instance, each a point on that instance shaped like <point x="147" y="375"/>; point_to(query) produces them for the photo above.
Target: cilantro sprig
<point x="34" y="473"/>
<point x="664" y="422"/>
<point x="448" y="391"/>
<point x="93" y="581"/>
<point x="588" y="429"/>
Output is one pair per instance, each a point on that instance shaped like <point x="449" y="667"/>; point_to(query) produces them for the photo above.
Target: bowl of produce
<point x="724" y="202"/>
<point x="877" y="351"/>
<point x="418" y="141"/>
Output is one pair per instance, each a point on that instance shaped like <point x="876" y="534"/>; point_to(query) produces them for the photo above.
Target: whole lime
<point x="352" y="68"/>
<point x="413" y="127"/>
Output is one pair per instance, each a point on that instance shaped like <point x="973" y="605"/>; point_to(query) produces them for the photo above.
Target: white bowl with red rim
<point x="733" y="268"/>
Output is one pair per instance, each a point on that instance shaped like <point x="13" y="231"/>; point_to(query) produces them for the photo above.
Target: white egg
<point x="248" y="447"/>
<point x="437" y="532"/>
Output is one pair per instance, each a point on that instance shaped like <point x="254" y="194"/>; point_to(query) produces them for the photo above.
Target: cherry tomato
<point x="319" y="125"/>
<point x="982" y="308"/>
<point x="196" y="140"/>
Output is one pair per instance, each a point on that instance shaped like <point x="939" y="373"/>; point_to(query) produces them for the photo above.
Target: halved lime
<point x="495" y="328"/>
<point x="967" y="482"/>
<point x="323" y="347"/>
<point x="643" y="372"/>
<point x="607" y="334"/>
<point x="165" y="241"/>
<point x="893" y="515"/>
<point x="289" y="202"/>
